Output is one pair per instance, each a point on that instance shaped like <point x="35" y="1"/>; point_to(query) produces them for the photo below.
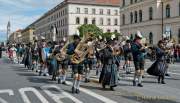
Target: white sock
<point x="78" y="84"/>
<point x="64" y="78"/>
<point x="140" y="79"/>
<point x="75" y="83"/>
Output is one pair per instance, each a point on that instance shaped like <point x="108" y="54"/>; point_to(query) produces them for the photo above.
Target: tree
<point x="108" y="35"/>
<point x="83" y="29"/>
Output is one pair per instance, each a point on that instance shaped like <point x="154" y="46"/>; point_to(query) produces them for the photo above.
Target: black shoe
<point x="128" y="72"/>
<point x="86" y="80"/>
<point x="40" y="73"/>
<point x="163" y="82"/>
<point x="77" y="91"/>
<point x="59" y="81"/>
<point x="64" y="83"/>
<point x="104" y="86"/>
<point x="134" y="83"/>
<point x="112" y="88"/>
<point x="167" y="75"/>
<point x="73" y="90"/>
<point x="140" y="85"/>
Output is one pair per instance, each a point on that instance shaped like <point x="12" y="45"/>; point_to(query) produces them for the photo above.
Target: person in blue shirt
<point x="138" y="56"/>
<point x="77" y="69"/>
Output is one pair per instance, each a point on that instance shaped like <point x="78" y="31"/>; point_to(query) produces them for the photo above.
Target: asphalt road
<point x="19" y="85"/>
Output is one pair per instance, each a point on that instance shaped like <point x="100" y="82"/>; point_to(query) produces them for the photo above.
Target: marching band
<point x="90" y="52"/>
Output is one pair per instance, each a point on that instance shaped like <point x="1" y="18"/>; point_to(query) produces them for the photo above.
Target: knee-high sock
<point x="64" y="77"/>
<point x="78" y="84"/>
<point x="75" y="83"/>
<point x="140" y="79"/>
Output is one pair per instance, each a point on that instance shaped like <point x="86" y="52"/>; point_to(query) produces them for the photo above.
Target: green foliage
<point x="83" y="29"/>
<point x="108" y="35"/>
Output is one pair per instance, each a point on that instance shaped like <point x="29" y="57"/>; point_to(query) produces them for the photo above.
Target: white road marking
<point x="174" y="73"/>
<point x="57" y="97"/>
<point x="9" y="91"/>
<point x="30" y="89"/>
<point x="95" y="95"/>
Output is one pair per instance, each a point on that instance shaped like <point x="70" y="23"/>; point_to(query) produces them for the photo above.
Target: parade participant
<point x="63" y="62"/>
<point x="1" y="51"/>
<point x="159" y="67"/>
<point x="109" y="71"/>
<point x="77" y="69"/>
<point x="98" y="47"/>
<point x="90" y="58"/>
<point x="138" y="56"/>
<point x="13" y="51"/>
<point x="35" y="56"/>
<point x="19" y="52"/>
<point x="53" y="64"/>
<point x="45" y="53"/>
<point x="127" y="56"/>
<point x="28" y="56"/>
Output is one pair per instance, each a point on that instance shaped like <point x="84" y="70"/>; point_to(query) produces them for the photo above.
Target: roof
<point x="96" y="2"/>
<point x="84" y="2"/>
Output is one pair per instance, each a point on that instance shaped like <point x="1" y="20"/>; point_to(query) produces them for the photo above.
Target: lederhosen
<point x="76" y="68"/>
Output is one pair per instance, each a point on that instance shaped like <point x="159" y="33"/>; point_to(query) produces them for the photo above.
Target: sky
<point x="22" y="13"/>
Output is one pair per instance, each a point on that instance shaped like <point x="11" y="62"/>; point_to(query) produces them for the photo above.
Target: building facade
<point x="156" y="19"/>
<point x="27" y="35"/>
<point x="70" y="14"/>
<point x="15" y="37"/>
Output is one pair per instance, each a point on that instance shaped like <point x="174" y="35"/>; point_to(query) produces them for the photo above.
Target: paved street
<point x="18" y="85"/>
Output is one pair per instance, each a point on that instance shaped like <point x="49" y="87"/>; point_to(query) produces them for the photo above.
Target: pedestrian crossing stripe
<point x="57" y="97"/>
<point x="95" y="95"/>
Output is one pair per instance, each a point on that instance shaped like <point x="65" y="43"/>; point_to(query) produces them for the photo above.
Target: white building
<point x="152" y="17"/>
<point x="70" y="14"/>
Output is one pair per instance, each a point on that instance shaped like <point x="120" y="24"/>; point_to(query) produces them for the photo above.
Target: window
<point x="101" y="21"/>
<point x="135" y="1"/>
<point x="94" y="21"/>
<point x="77" y="20"/>
<point x="101" y="12"/>
<point x="108" y="21"/>
<point x="116" y="12"/>
<point x="109" y="12"/>
<point x="179" y="8"/>
<point x="123" y="19"/>
<point x="93" y="11"/>
<point x="85" y="20"/>
<point x="86" y="10"/>
<point x="124" y="3"/>
<point x="140" y="15"/>
<point x="115" y="31"/>
<point x="135" y="16"/>
<point x="78" y="10"/>
<point x="131" y="17"/>
<point x="150" y="38"/>
<point x="108" y="30"/>
<point x="115" y="21"/>
<point x="150" y="13"/>
<point x="179" y="36"/>
<point x="168" y="12"/>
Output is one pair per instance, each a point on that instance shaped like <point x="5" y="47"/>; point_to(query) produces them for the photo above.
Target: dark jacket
<point x="138" y="54"/>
